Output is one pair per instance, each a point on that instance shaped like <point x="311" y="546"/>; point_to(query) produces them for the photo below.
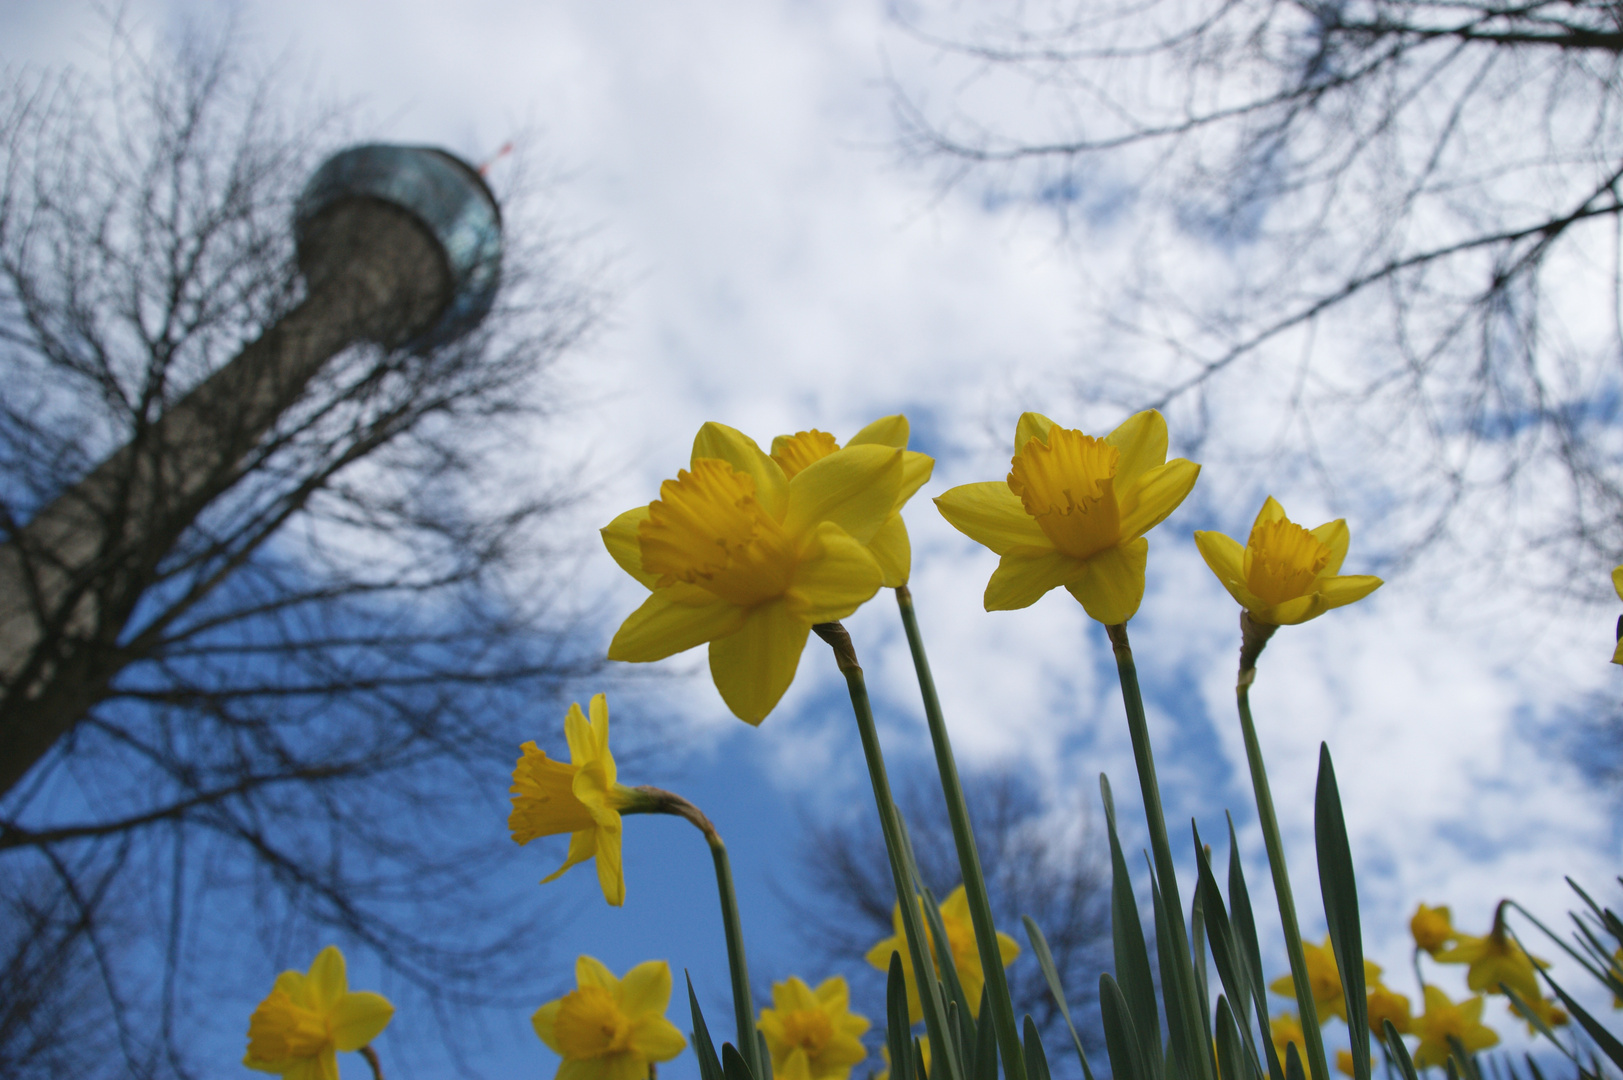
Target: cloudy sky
<point x="776" y="267"/>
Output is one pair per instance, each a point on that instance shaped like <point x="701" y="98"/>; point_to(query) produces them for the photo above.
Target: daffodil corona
<point x="813" y="1034"/>
<point x="297" y="1030"/>
<point x="739" y="554"/>
<point x="966" y="957"/>
<point x="583" y="798"/>
<point x="1073" y="512"/>
<point x="609" y="1028"/>
<point x="1285" y="574"/>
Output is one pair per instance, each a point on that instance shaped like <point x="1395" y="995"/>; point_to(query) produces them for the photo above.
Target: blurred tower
<point x="397" y="245"/>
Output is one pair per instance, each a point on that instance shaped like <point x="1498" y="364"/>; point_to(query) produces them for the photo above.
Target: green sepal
<point x="732" y="1063"/>
<point x="1132" y="957"/>
<point x="898" y="1030"/>
<point x="1122" y="1041"/>
<point x="1340" y="891"/>
<point x="703" y="1048"/>
<point x="1036" y="1060"/>
<point x="1398" y="1051"/>
<point x="1245" y="932"/>
<point x="1045" y="960"/>
<point x="985" y="1059"/>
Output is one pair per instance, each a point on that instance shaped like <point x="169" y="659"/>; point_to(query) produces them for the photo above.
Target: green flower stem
<point x="1254" y="637"/>
<point x="889" y="822"/>
<point x="1165" y="870"/>
<point x="969" y="860"/>
<point x="658" y="801"/>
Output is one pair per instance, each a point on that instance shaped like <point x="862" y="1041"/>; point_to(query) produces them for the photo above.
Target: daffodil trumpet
<point x="903" y="873"/>
<point x="653" y="800"/>
<point x="969" y="861"/>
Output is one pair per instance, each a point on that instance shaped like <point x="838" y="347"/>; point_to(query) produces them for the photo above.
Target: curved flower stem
<point x="1198" y="1059"/>
<point x="890" y="824"/>
<point x="658" y="801"/>
<point x="1254" y="637"/>
<point x="371" y="1057"/>
<point x="969" y="860"/>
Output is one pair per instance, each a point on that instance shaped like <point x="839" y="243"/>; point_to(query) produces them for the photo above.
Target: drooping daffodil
<point x="1432" y="928"/>
<point x="1285" y="574"/>
<point x="1444" y="1018"/>
<point x="813" y="1034"/>
<point x="609" y="1028"/>
<point x="1494" y="960"/>
<point x="1324" y="979"/>
<point x="889" y="546"/>
<point x="736" y="553"/>
<point x="966" y="957"/>
<point x="1073" y="512"/>
<point x="583" y="798"/>
<point x="308" y="1016"/>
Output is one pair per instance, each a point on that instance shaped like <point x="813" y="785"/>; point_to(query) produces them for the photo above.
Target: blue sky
<point x="776" y="269"/>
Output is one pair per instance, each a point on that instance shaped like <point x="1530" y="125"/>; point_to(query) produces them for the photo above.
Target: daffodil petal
<point x="741" y="452"/>
<point x="545" y="1023"/>
<point x="1021" y="580"/>
<point x="854" y="488"/>
<point x="990" y="514"/>
<point x="885" y="431"/>
<point x="753" y="666"/>
<point x="1335" y="536"/>
<point x="1271" y="511"/>
<point x="582" y="846"/>
<point x="1156" y="494"/>
<point x="797" y="1066"/>
<point x="359" y="1018"/>
<point x="646" y="988"/>
<point x="589" y="1068"/>
<point x="600" y="736"/>
<point x="1296" y="610"/>
<point x="1226" y="558"/>
<point x="1142" y="441"/>
<point x="1338" y="591"/>
<point x="578" y="733"/>
<point x="1007" y="948"/>
<point x="879" y="955"/>
<point x="1617" y="653"/>
<point x="836" y="575"/>
<point x="834" y="993"/>
<point x="590" y="971"/>
<point x="292" y="983"/>
<point x="655" y="1038"/>
<point x="326" y="982"/>
<point x="1032" y="425"/>
<point x="892" y="551"/>
<point x="673" y="620"/>
<point x="916" y="471"/>
<point x="1617" y="581"/>
<point x="620" y="537"/>
<point x="1112" y="586"/>
<point x="610" y="872"/>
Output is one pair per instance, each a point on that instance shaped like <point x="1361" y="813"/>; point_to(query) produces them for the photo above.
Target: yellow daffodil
<point x="1617" y="583"/>
<point x="1285" y="1030"/>
<point x="966" y="958"/>
<point x="1443" y="1018"/>
<point x="889" y="546"/>
<point x="813" y="1034"/>
<point x="1493" y="960"/>
<point x="1548" y="1011"/>
<point x="738" y="554"/>
<point x="308" y="1017"/>
<point x="1285" y="574"/>
<point x="1324" y="977"/>
<point x="582" y="798"/>
<point x="1073" y="512"/>
<point x="1344" y="1063"/>
<point x="924" y="1052"/>
<point x="1386" y="1004"/>
<point x="1617" y="973"/>
<point x="609" y="1028"/>
<point x="1432" y="928"/>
